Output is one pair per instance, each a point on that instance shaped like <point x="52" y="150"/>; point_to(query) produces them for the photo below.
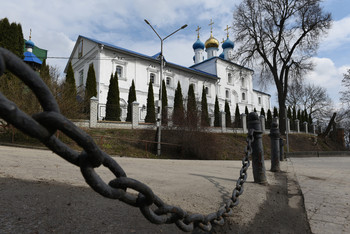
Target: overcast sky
<point x="56" y="25"/>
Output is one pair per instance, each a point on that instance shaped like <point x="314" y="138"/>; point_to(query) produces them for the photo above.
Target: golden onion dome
<point x="212" y="42"/>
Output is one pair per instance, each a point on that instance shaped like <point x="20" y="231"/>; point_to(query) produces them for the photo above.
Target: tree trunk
<point x="282" y="120"/>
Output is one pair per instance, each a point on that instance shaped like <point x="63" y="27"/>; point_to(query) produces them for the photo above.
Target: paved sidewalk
<point x="42" y="193"/>
<point x="325" y="184"/>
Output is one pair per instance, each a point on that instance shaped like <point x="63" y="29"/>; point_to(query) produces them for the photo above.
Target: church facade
<point x="217" y="74"/>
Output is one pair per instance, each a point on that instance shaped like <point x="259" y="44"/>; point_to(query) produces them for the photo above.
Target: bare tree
<point x="345" y="112"/>
<point x="295" y="93"/>
<point x="345" y="94"/>
<point x="311" y="97"/>
<point x="282" y="35"/>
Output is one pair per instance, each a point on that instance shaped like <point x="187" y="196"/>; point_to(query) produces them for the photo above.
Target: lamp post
<point x="159" y="114"/>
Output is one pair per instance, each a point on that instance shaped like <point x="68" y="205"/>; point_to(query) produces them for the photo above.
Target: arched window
<point x="206" y="90"/>
<point x="229" y="78"/>
<point x="119" y="71"/>
<point x="227" y="94"/>
<point x="152" y="78"/>
<point x="243" y="82"/>
<point x="243" y="96"/>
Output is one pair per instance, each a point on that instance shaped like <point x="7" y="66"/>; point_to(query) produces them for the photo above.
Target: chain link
<point x="42" y="126"/>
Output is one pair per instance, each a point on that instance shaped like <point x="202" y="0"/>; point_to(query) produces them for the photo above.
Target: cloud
<point x="338" y="35"/>
<point x="326" y="74"/>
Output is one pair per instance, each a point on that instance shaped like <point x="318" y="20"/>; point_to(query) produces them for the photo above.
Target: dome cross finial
<point x="198" y="28"/>
<point x="30" y="34"/>
<point x="227" y="28"/>
<point x="211" y="26"/>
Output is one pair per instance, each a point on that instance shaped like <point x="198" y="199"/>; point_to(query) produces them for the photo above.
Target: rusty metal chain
<point x="42" y="126"/>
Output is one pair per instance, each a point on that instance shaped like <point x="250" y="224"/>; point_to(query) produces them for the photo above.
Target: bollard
<point x="257" y="147"/>
<point x="281" y="149"/>
<point x="244" y="122"/>
<point x="275" y="147"/>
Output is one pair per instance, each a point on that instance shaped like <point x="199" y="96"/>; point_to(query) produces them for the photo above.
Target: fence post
<point x="135" y="115"/>
<point x="297" y="125"/>
<point x="288" y="125"/>
<point x="306" y="127"/>
<point x="244" y="122"/>
<point x="262" y="122"/>
<point x="257" y="147"/>
<point x="275" y="147"/>
<point x="223" y="121"/>
<point x="211" y="121"/>
<point x="93" y="112"/>
<point x="313" y="128"/>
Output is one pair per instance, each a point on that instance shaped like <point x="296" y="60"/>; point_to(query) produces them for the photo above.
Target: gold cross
<point x="30" y="34"/>
<point x="227" y="28"/>
<point x="223" y="40"/>
<point x="211" y="25"/>
<point x="198" y="28"/>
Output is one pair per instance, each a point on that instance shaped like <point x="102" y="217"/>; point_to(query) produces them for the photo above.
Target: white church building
<point x="216" y="73"/>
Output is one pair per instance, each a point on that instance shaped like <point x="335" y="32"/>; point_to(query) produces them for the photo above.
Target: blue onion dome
<point x="228" y="44"/>
<point x="29" y="44"/>
<point x="212" y="42"/>
<point x="222" y="55"/>
<point x="198" y="45"/>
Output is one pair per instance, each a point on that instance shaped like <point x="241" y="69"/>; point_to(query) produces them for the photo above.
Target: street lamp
<point x="159" y="114"/>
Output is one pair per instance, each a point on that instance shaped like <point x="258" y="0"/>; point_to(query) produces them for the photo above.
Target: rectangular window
<point x="227" y="94"/>
<point x="259" y="100"/>
<point x="168" y="81"/>
<point x="229" y="79"/>
<point x="152" y="78"/>
<point x="119" y="71"/>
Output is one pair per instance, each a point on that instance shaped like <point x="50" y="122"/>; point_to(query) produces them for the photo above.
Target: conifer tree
<point x="275" y="112"/>
<point x="268" y="119"/>
<point x="299" y="116"/>
<point x="90" y="87"/>
<point x="306" y="116"/>
<point x="191" y="107"/>
<point x="216" y="113"/>
<point x="164" y="104"/>
<point x="310" y="120"/>
<point x="151" y="112"/>
<point x="289" y="113"/>
<point x="45" y="73"/>
<point x="204" y="109"/>
<point x="11" y="37"/>
<point x="179" y="113"/>
<point x="302" y="117"/>
<point x="254" y="110"/>
<point x="262" y="112"/>
<point x="113" y="100"/>
<point x="237" y="117"/>
<point x="131" y="99"/>
<point x="294" y="116"/>
<point x="69" y="83"/>
<point x="227" y="115"/>
<point x="246" y="111"/>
